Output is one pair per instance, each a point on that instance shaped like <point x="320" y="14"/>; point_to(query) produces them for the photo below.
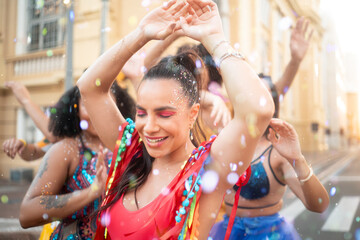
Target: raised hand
<point x="162" y="21"/>
<point x="300" y="39"/>
<point x="205" y="20"/>
<point x="13" y="146"/>
<point x="220" y="112"/>
<point x="20" y="91"/>
<point x="285" y="139"/>
<point x="98" y="186"/>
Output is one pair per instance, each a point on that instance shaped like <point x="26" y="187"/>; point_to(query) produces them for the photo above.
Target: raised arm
<point x="43" y="202"/>
<point x="27" y="151"/>
<point x="37" y="115"/>
<point x="298" y="174"/>
<point x="299" y="44"/>
<point x="95" y="83"/>
<point x="253" y="106"/>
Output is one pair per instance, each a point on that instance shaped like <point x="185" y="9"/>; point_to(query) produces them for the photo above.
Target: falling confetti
<point x="156" y="171"/>
<point x="332" y="191"/>
<point x="84" y="124"/>
<point x="97" y="82"/>
<point x="105" y="219"/>
<point x="233" y="167"/>
<point x="44" y="31"/>
<point x="4" y="199"/>
<point x="145" y="3"/>
<point x="88" y="155"/>
<point x="232" y="177"/>
<point x="210" y="180"/>
<point x="262" y="101"/>
<point x="165" y="191"/>
<point x="53" y="110"/>
<point x="45" y="216"/>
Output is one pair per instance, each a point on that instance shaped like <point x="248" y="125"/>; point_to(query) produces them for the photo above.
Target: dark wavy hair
<point x="183" y="69"/>
<point x="64" y="115"/>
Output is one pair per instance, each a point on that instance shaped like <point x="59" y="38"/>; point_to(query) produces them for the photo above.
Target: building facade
<point x="33" y="51"/>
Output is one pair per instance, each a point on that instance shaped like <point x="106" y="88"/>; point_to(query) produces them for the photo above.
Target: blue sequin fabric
<point x="82" y="178"/>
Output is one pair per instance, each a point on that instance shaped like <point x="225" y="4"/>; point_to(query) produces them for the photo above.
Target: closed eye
<point x="140" y="113"/>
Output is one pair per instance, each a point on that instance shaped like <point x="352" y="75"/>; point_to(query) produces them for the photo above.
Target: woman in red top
<point x="161" y="183"/>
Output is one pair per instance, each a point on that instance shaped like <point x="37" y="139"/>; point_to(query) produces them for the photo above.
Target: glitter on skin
<point x="156" y="171"/>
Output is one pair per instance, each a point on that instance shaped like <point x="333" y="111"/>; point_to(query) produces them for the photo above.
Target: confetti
<point x="232" y="177"/>
<point x="44" y="31"/>
<point x="210" y="180"/>
<point x="97" y="82"/>
<point x="332" y="191"/>
<point x="165" y="191"/>
<point x="84" y="124"/>
<point x="45" y="216"/>
<point x="4" y="199"/>
<point x="105" y="219"/>
<point x="156" y="171"/>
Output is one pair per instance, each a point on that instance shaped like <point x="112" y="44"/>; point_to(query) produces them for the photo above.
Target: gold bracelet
<point x="23" y="141"/>
<point x="231" y="54"/>
<point x="308" y="177"/>
<point x="217" y="45"/>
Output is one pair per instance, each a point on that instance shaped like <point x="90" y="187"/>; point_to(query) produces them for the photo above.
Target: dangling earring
<point x="191" y="135"/>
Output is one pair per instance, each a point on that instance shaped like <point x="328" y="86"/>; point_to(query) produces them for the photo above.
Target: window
<point x="265" y="12"/>
<point x="46" y="26"/>
<point x="26" y="129"/>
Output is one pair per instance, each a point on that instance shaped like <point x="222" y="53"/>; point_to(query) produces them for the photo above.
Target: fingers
<point x="183" y="11"/>
<point x="273" y="137"/>
<point x="168" y="4"/>
<point x="305" y="27"/>
<point x="310" y="35"/>
<point x="163" y="34"/>
<point x="299" y="24"/>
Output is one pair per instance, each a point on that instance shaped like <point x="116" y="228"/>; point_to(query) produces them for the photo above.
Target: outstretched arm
<point x="43" y="202"/>
<point x="37" y="115"/>
<point x="95" y="83"/>
<point x="27" y="151"/>
<point x="299" y="44"/>
<point x="296" y="171"/>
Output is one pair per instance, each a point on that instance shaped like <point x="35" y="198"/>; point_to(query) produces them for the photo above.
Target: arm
<point x="34" y="111"/>
<point x="299" y="44"/>
<point x="155" y="52"/>
<point x="250" y="119"/>
<point x="311" y="192"/>
<point x="95" y="83"/>
<point x="42" y="202"/>
<point x="27" y="152"/>
<point x="219" y="113"/>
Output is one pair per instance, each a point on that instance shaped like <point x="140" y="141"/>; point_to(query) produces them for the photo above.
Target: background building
<point x="33" y="51"/>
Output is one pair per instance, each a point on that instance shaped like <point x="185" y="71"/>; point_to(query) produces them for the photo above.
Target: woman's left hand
<point x="162" y="21"/>
<point x="203" y="22"/>
<point x="284" y="139"/>
<point x="99" y="184"/>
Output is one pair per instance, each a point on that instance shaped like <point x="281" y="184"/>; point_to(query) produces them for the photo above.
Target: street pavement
<point x="340" y="176"/>
<point x="337" y="169"/>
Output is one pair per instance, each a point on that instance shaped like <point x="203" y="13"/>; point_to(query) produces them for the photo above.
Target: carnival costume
<point x="174" y="214"/>
<point x="80" y="225"/>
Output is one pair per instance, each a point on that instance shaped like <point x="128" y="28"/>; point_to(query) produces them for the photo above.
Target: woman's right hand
<point x="20" y="91"/>
<point x="13" y="146"/>
<point x="98" y="186"/>
<point x="161" y="22"/>
<point x="205" y="21"/>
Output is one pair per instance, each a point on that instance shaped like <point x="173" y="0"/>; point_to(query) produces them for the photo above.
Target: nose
<point x="151" y="125"/>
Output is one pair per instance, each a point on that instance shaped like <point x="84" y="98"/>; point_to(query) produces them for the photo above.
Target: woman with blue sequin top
<point x="68" y="185"/>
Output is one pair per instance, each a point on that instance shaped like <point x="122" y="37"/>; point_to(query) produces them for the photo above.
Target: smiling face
<point x="163" y="116"/>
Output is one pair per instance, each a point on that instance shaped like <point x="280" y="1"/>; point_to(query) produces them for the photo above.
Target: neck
<point x="90" y="139"/>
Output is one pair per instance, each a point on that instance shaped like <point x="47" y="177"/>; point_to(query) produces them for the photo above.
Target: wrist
<point x="295" y="60"/>
<point x="301" y="167"/>
<point x="210" y="42"/>
<point x="142" y="39"/>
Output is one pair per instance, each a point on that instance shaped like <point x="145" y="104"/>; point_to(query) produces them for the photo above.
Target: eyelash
<point x="163" y="115"/>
